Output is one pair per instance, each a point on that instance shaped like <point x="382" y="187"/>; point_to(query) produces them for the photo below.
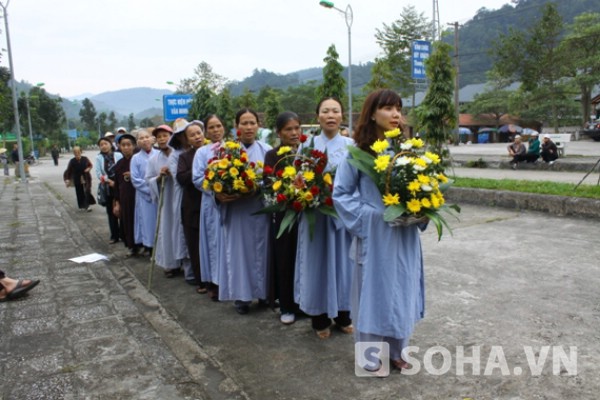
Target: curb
<point x="557" y="205"/>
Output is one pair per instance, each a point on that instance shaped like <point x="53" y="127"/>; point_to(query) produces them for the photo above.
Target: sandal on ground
<point x="400" y="364"/>
<point x="20" y="289"/>
<point x="170" y="273"/>
<point x="201" y="290"/>
<point x="348" y="329"/>
<point x="323" y="334"/>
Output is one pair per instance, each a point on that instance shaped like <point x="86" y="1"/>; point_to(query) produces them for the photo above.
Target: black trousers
<point x="113" y="222"/>
<point x="81" y="197"/>
<point x="320" y="322"/>
<point x="192" y="239"/>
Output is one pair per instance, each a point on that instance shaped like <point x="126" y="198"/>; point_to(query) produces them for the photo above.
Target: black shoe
<point x="241" y="307"/>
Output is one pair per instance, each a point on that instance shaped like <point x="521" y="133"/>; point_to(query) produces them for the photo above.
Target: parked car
<point x="593" y="131"/>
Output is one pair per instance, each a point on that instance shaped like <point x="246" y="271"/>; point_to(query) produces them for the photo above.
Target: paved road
<point x="507" y="283"/>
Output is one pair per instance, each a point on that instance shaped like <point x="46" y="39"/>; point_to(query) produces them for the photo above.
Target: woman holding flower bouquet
<point x="283" y="249"/>
<point x="210" y="226"/>
<point x="243" y="250"/>
<point x="323" y="267"/>
<point x="388" y="285"/>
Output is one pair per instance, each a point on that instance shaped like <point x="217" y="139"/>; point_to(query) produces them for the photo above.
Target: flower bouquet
<point x="297" y="184"/>
<point x="230" y="172"/>
<point x="410" y="179"/>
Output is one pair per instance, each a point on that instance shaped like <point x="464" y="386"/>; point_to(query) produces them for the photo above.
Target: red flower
<point x="315" y="190"/>
<point x="297" y="206"/>
<point x="243" y="158"/>
<point x="249" y="183"/>
<point x="279" y="173"/>
<point x="281" y="197"/>
<point x="268" y="170"/>
<point x="221" y="172"/>
<point x="303" y="138"/>
<point x="319" y="170"/>
<point x="238" y="133"/>
<point x="297" y="163"/>
<point x="244" y="175"/>
<point x="252" y="164"/>
<point x="329" y="201"/>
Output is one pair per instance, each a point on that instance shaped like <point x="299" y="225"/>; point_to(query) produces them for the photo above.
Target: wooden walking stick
<point x="152" y="258"/>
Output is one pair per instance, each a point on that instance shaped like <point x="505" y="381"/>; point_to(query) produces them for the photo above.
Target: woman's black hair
<point x="329" y="98"/>
<point x="284" y="118"/>
<point x="244" y="111"/>
<point x="211" y="116"/>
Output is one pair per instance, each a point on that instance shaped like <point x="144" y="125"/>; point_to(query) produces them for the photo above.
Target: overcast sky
<point x="93" y="46"/>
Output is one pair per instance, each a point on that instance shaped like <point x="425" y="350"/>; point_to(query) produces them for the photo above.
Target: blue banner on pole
<point x="176" y="106"/>
<point x="72" y="133"/>
<point x="421" y="49"/>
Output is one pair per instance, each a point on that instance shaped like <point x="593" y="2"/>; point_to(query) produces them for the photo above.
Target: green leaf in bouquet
<point x="393" y="212"/>
<point x="287" y="223"/>
<point x="274" y="208"/>
<point x="326" y="210"/>
<point x="363" y="161"/>
<point x="310" y="219"/>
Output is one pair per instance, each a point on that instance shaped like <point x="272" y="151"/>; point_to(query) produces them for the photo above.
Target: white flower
<point x="402" y="161"/>
<point x="426" y="188"/>
<point x="406" y="146"/>
<point x="426" y="159"/>
<point x="418" y="168"/>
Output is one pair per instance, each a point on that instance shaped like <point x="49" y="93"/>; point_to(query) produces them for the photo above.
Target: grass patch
<point x="539" y="187"/>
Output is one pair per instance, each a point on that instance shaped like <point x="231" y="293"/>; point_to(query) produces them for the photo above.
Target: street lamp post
<point x="14" y="94"/>
<point x="349" y="16"/>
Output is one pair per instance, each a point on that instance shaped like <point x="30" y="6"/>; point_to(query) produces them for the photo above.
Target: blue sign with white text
<point x="176" y="106"/>
<point x="420" y="52"/>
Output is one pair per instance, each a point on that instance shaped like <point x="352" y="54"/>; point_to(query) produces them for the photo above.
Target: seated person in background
<point x="549" y="151"/>
<point x="517" y="151"/>
<point x="533" y="151"/>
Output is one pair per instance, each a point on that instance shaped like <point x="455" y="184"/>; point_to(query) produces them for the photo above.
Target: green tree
<point x="393" y="70"/>
<point x="225" y="108"/>
<point x="102" y="123"/>
<point x="272" y="109"/>
<point x="204" y="76"/>
<point x="301" y="99"/>
<point x="333" y="83"/>
<point x="130" y="122"/>
<point x="6" y="109"/>
<point x="492" y="103"/>
<point x="582" y="47"/>
<point x="87" y="114"/>
<point x="112" y="121"/>
<point x="539" y="66"/>
<point x="435" y="116"/>
<point x="246" y="100"/>
<point x="203" y="103"/>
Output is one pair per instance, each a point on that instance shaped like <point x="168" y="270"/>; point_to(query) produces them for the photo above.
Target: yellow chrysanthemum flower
<point x="380" y="146"/>
<point x="308" y="175"/>
<point x="223" y="163"/>
<point x="217" y="187"/>
<point x="417" y="143"/>
<point x="327" y="179"/>
<point x="442" y="178"/>
<point x="308" y="196"/>
<point x="260" y="164"/>
<point x="435" y="201"/>
<point x="391" y="199"/>
<point x="424" y="179"/>
<point x="289" y="172"/>
<point x="211" y="175"/>
<point x="433" y="157"/>
<point x="414" y="186"/>
<point x="232" y="145"/>
<point x="234" y="171"/>
<point x="251" y="174"/>
<point x="276" y="185"/>
<point x="420" y="162"/>
<point x="207" y="141"/>
<point x="283" y="150"/>
<point x="393" y="133"/>
<point x="382" y="162"/>
<point x="440" y="197"/>
<point x="238" y="184"/>
<point x="414" y="206"/>
<point x="425" y="203"/>
<point x="237" y="163"/>
<point x="205" y="184"/>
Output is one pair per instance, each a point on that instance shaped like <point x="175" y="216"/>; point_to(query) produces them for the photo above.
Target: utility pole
<point x="435" y="22"/>
<point x="456" y="81"/>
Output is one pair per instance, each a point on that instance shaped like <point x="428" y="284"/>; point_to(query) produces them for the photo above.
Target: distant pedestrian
<point x="533" y="149"/>
<point x="54" y="152"/>
<point x="78" y="174"/>
<point x="517" y="151"/>
<point x="4" y="161"/>
<point x="549" y="150"/>
<point x="11" y="289"/>
<point x="14" y="156"/>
